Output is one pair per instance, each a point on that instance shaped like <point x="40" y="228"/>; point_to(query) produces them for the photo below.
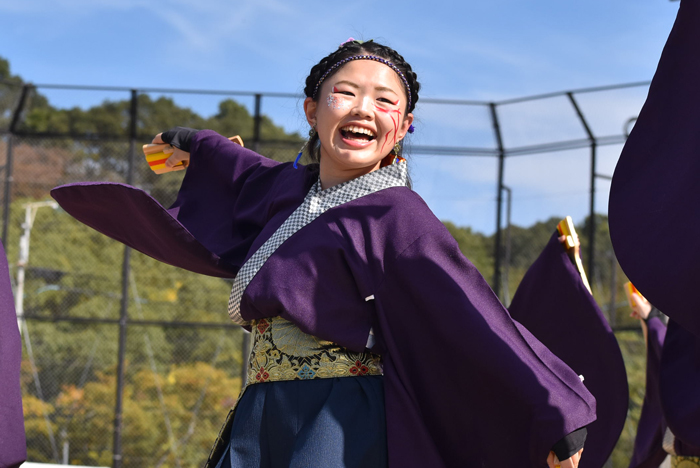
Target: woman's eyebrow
<point x="349" y="83"/>
<point x="384" y="88"/>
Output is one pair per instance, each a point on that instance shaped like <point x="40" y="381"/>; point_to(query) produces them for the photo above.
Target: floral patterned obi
<point x="281" y="351"/>
<point x="678" y="461"/>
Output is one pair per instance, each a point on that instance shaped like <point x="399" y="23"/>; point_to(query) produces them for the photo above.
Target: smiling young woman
<point x="375" y="341"/>
<point x="360" y="115"/>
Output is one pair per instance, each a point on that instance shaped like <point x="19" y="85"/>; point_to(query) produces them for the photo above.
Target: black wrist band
<point x="179" y="137"/>
<point x="654" y="312"/>
<point x="570" y="444"/>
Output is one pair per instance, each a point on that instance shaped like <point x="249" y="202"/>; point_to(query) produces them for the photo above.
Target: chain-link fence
<point x="130" y="362"/>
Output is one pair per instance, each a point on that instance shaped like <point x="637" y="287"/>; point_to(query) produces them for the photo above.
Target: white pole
<point x="21" y="264"/>
<point x="30" y="210"/>
<point x="64" y="436"/>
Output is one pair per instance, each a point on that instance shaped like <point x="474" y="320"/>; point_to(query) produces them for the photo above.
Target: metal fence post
<point x="591" y="216"/>
<point x="8" y="189"/>
<point x="499" y="203"/>
<point x="9" y="163"/>
<point x="257" y="121"/>
<point x="124" y="312"/>
<point x="506" y="263"/>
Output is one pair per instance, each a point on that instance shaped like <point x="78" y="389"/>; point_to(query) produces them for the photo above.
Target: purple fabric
<point x="552" y="302"/>
<point x="229" y="193"/>
<point x="13" y="447"/>
<point x="652" y="220"/>
<point x="465" y="385"/>
<point x="114" y="209"/>
<point x="462" y="380"/>
<point x="648" y="443"/>
<point x="197" y="233"/>
<point x="679" y="384"/>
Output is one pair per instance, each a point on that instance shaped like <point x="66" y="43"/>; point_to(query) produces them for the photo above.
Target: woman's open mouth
<point x="357" y="134"/>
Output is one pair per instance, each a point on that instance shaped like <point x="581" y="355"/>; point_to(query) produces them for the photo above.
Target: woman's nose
<point x="363" y="108"/>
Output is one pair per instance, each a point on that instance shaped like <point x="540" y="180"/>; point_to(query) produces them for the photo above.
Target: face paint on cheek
<point x="395" y="121"/>
<point x="335" y="102"/>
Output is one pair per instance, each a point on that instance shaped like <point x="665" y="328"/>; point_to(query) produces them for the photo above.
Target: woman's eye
<point x="338" y="91"/>
<point x="388" y="101"/>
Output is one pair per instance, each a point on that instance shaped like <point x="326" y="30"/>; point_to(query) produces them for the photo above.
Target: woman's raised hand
<point x="179" y="138"/>
<point x="640" y="307"/>
<point x="572" y="462"/>
<point x="177" y="155"/>
<point x="577" y="244"/>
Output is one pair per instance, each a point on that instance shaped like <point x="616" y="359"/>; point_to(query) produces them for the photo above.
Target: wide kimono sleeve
<point x="225" y="195"/>
<point x="648" y="443"/>
<point x="13" y="448"/>
<point x="465" y="385"/>
<point x="656" y="180"/>
<point x="553" y="303"/>
<point x="226" y="198"/>
<point x="678" y="386"/>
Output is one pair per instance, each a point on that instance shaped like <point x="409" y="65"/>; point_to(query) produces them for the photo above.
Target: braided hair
<point x="350" y="49"/>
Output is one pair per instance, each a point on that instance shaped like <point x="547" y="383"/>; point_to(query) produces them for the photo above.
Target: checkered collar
<point x="315" y="203"/>
<point x="394" y="175"/>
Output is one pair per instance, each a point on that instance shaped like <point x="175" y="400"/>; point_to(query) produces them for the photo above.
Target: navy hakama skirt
<point x="336" y="422"/>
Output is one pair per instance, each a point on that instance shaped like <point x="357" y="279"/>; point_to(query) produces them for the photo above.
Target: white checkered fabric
<point x="315" y="203"/>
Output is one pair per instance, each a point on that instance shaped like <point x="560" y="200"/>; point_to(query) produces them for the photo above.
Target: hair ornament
<point x="365" y="57"/>
<point x="352" y="39"/>
<point x="411" y="128"/>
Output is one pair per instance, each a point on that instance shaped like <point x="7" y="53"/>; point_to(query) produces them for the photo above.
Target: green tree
<point x="10" y="89"/>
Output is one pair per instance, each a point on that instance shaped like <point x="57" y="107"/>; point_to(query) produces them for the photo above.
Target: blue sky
<point x="489" y="50"/>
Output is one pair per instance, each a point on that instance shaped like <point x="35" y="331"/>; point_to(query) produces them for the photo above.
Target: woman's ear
<point x="405" y="124"/>
<point x="310" y="111"/>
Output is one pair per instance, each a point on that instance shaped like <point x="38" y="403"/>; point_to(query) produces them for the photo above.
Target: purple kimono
<point x="553" y="303"/>
<point x="648" y="444"/>
<point x="652" y="214"/>
<point x="13" y="448"/>
<point x="679" y="381"/>
<point x="671" y="383"/>
<point x="464" y="384"/>
<point x="653" y="218"/>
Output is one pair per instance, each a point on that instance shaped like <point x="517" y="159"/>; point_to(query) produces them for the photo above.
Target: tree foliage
<point x="10" y="89"/>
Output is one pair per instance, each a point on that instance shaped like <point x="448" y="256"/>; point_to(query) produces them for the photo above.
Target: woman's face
<point x="359" y="117"/>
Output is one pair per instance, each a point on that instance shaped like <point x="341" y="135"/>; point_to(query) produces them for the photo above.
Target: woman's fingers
<point x="640" y="306"/>
<point x="573" y="461"/>
<point x="177" y="157"/>
<point x="553" y="461"/>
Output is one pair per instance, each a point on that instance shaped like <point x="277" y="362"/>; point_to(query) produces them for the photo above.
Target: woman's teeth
<point x="357" y="133"/>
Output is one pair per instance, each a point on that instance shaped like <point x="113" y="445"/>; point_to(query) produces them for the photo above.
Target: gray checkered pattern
<point x="315" y="203"/>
